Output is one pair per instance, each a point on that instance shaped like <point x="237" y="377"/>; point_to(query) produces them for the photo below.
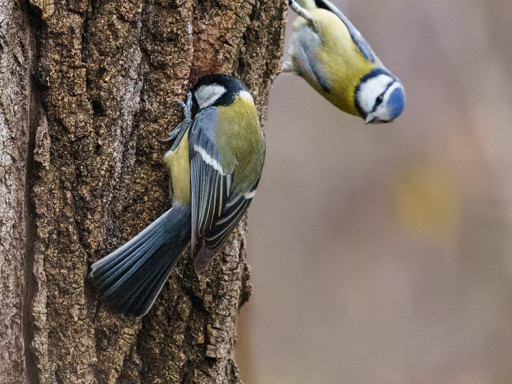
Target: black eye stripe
<point x="378" y="101"/>
<point x="374" y="73"/>
<point x="380" y="98"/>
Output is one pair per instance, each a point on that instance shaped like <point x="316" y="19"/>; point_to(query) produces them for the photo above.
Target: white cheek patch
<point x="206" y="95"/>
<point x="382" y="113"/>
<point x="371" y="89"/>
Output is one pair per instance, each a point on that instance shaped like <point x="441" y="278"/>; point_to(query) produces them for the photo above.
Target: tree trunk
<point x="86" y="90"/>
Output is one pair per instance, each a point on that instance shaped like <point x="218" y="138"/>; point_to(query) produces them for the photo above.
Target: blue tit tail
<point x="130" y="278"/>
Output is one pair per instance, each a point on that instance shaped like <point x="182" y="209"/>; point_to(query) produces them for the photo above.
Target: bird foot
<point x="177" y="133"/>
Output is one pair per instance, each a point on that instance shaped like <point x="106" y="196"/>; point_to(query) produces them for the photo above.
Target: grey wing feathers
<point x="232" y="213"/>
<point x="216" y="208"/>
<point x="209" y="192"/>
<point x="130" y="278"/>
<point x="358" y="39"/>
<point x="210" y="183"/>
<point x="304" y="57"/>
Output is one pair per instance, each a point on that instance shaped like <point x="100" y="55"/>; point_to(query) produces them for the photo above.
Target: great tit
<point x="335" y="59"/>
<point x="215" y="165"/>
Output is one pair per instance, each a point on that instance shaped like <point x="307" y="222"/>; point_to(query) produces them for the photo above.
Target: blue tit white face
<point x="380" y="97"/>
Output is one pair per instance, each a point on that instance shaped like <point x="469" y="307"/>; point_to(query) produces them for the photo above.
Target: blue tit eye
<point x="379" y="100"/>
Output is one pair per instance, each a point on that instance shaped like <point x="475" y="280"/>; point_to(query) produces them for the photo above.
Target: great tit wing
<point x="231" y="215"/>
<point x="216" y="207"/>
<point x="210" y="182"/>
<point x="358" y="39"/>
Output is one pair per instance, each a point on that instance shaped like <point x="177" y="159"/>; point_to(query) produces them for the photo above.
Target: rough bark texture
<point x="86" y="90"/>
<point x="15" y="66"/>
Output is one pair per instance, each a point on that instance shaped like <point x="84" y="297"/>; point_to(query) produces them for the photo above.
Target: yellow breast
<point x="178" y="163"/>
<point x="343" y="63"/>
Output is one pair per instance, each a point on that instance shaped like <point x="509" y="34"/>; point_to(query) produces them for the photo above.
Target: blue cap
<point x="396" y="103"/>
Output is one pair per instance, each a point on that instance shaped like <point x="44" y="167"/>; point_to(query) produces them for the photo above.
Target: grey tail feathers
<point x="130" y="278"/>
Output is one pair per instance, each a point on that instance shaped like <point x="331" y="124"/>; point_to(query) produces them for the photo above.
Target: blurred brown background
<point x="383" y="254"/>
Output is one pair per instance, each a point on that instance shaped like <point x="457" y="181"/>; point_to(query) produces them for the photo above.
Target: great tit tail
<point x="130" y="278"/>
<point x="203" y="258"/>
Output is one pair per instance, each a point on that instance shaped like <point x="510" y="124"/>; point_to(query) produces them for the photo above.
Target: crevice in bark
<point x="34" y="118"/>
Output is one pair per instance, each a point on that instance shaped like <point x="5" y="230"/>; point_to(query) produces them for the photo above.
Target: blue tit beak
<point x="370" y="119"/>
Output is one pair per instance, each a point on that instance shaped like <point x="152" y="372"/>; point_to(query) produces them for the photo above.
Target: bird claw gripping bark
<point x="177" y="133"/>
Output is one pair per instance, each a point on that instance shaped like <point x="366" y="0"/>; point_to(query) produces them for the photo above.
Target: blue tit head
<point x="218" y="90"/>
<point x="380" y="97"/>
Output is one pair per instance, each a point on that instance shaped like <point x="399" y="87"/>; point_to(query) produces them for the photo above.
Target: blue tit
<point x="215" y="165"/>
<point x="335" y="59"/>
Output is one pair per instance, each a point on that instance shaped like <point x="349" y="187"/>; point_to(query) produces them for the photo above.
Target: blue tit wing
<point x="305" y="60"/>
<point x="358" y="39"/>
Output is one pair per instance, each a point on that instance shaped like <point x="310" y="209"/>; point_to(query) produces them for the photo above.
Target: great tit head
<point x="218" y="90"/>
<point x="380" y="97"/>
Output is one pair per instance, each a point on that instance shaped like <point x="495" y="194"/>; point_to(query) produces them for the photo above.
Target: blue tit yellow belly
<point x="335" y="76"/>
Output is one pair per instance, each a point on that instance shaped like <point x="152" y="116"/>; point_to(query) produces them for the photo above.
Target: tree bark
<point x="86" y="90"/>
